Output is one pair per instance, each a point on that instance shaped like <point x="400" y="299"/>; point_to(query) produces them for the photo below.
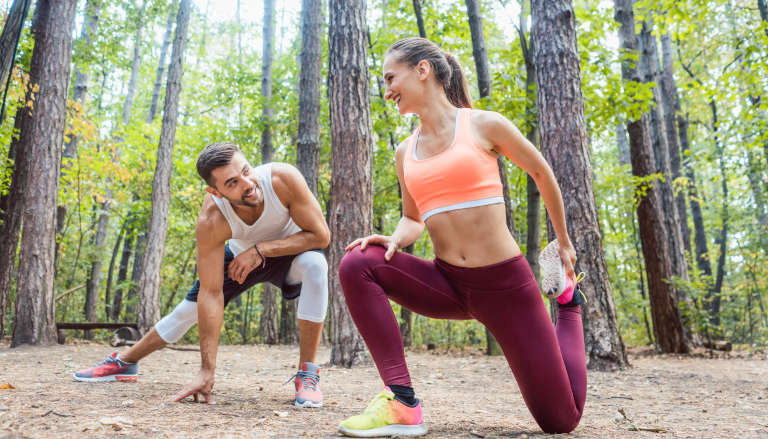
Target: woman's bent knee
<point x="357" y="262"/>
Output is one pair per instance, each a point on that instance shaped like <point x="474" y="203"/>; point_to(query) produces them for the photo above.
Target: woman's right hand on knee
<point x="383" y="241"/>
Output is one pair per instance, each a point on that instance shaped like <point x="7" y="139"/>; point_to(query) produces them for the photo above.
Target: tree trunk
<point x="39" y="158"/>
<point x="564" y="143"/>
<point x="419" y="18"/>
<point x="9" y="41"/>
<point x="111" y="270"/>
<point x="93" y="12"/>
<point x="268" y="326"/>
<point x="269" y="314"/>
<point x="533" y="198"/>
<point x="699" y="234"/>
<point x="722" y="239"/>
<point x="649" y="66"/>
<point x="310" y="83"/>
<point x="288" y="330"/>
<point x="268" y="36"/>
<point x="10" y="223"/>
<point x="161" y="64"/>
<point x="122" y="272"/>
<point x="754" y="175"/>
<point x="671" y="102"/>
<point x="149" y="280"/>
<point x="668" y="327"/>
<point x="134" y="69"/>
<point x="351" y="204"/>
<point x="94" y="275"/>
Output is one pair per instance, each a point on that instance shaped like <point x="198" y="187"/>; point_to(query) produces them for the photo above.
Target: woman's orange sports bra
<point x="461" y="176"/>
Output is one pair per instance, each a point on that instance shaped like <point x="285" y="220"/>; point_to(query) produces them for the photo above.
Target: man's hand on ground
<point x="201" y="385"/>
<point x="243" y="264"/>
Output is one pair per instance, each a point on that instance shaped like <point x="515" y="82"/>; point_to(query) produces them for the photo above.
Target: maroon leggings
<point x="548" y="362"/>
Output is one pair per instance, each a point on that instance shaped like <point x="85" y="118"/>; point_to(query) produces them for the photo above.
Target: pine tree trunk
<point x="161" y="63"/>
<point x="122" y="272"/>
<point x="564" y="143"/>
<point x="94" y="275"/>
<point x="268" y="37"/>
<point x="9" y="37"/>
<point x="419" y="18"/>
<point x="310" y="82"/>
<point x="289" y="332"/>
<point x="268" y="328"/>
<point x="149" y="280"/>
<point x="351" y="204"/>
<point x="93" y="12"/>
<point x="39" y="158"/>
<point x="649" y="67"/>
<point x="699" y="234"/>
<point x="668" y="327"/>
<point x="269" y="314"/>
<point x="763" y="7"/>
<point x="671" y="102"/>
<point x="533" y="198"/>
<point x="128" y="103"/>
<point x="111" y="270"/>
<point x="722" y="239"/>
<point x="10" y="223"/>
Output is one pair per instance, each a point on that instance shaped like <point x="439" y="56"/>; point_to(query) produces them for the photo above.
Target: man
<point x="256" y="225"/>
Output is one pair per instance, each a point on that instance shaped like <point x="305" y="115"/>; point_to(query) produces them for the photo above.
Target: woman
<point x="450" y="182"/>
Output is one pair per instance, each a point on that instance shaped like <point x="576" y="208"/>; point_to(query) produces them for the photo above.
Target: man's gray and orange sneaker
<point x="111" y="369"/>
<point x="385" y="416"/>
<point x="307" y="381"/>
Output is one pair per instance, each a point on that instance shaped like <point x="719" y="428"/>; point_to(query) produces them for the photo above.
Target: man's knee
<point x="173" y="326"/>
<point x="315" y="267"/>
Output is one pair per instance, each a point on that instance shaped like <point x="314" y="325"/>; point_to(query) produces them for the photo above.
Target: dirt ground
<point x="465" y="396"/>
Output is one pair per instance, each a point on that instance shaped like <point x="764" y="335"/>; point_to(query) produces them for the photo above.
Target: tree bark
<point x="668" y="327"/>
<point x="351" y="204"/>
<point x="149" y="280"/>
<point x="268" y="36"/>
<point x="310" y="82"/>
<point x="288" y="329"/>
<point x="10" y="223"/>
<point x="111" y="269"/>
<point x="39" y="158"/>
<point x="419" y="18"/>
<point x="94" y="275"/>
<point x="161" y="63"/>
<point x="533" y="198"/>
<point x="268" y="328"/>
<point x="649" y="66"/>
<point x="122" y="272"/>
<point x="671" y="101"/>
<point x="93" y="12"/>
<point x="722" y="239"/>
<point x="564" y="143"/>
<point x="128" y="103"/>
<point x="9" y="41"/>
<point x="269" y="301"/>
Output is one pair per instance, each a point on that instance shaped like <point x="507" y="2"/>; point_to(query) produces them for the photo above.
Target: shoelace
<point x="377" y="403"/>
<point x="580" y="277"/>
<point x="308" y="379"/>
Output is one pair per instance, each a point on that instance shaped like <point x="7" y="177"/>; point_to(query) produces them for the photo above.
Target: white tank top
<point x="275" y="221"/>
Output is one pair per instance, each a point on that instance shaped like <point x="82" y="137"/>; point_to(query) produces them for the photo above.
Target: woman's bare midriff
<point x="472" y="237"/>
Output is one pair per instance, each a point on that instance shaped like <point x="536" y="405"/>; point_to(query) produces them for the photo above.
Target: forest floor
<point x="465" y="394"/>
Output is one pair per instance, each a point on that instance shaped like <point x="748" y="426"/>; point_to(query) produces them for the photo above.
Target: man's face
<point x="235" y="183"/>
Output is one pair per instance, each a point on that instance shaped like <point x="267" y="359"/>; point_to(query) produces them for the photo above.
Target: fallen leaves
<point x="7" y="386"/>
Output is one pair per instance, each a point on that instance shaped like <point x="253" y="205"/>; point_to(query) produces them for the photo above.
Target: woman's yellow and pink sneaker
<point x="385" y="416"/>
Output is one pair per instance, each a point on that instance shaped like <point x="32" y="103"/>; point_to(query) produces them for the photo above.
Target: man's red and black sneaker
<point x="111" y="369"/>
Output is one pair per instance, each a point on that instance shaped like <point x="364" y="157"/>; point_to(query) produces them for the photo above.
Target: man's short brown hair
<point x="214" y="156"/>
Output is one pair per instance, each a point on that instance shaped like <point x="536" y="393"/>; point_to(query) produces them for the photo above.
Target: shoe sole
<point x="108" y="379"/>
<point x="389" y="430"/>
<point x="553" y="281"/>
<point x="308" y="404"/>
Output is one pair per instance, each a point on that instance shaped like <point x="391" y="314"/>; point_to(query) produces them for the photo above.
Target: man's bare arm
<point x="305" y="211"/>
<point x="211" y="237"/>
